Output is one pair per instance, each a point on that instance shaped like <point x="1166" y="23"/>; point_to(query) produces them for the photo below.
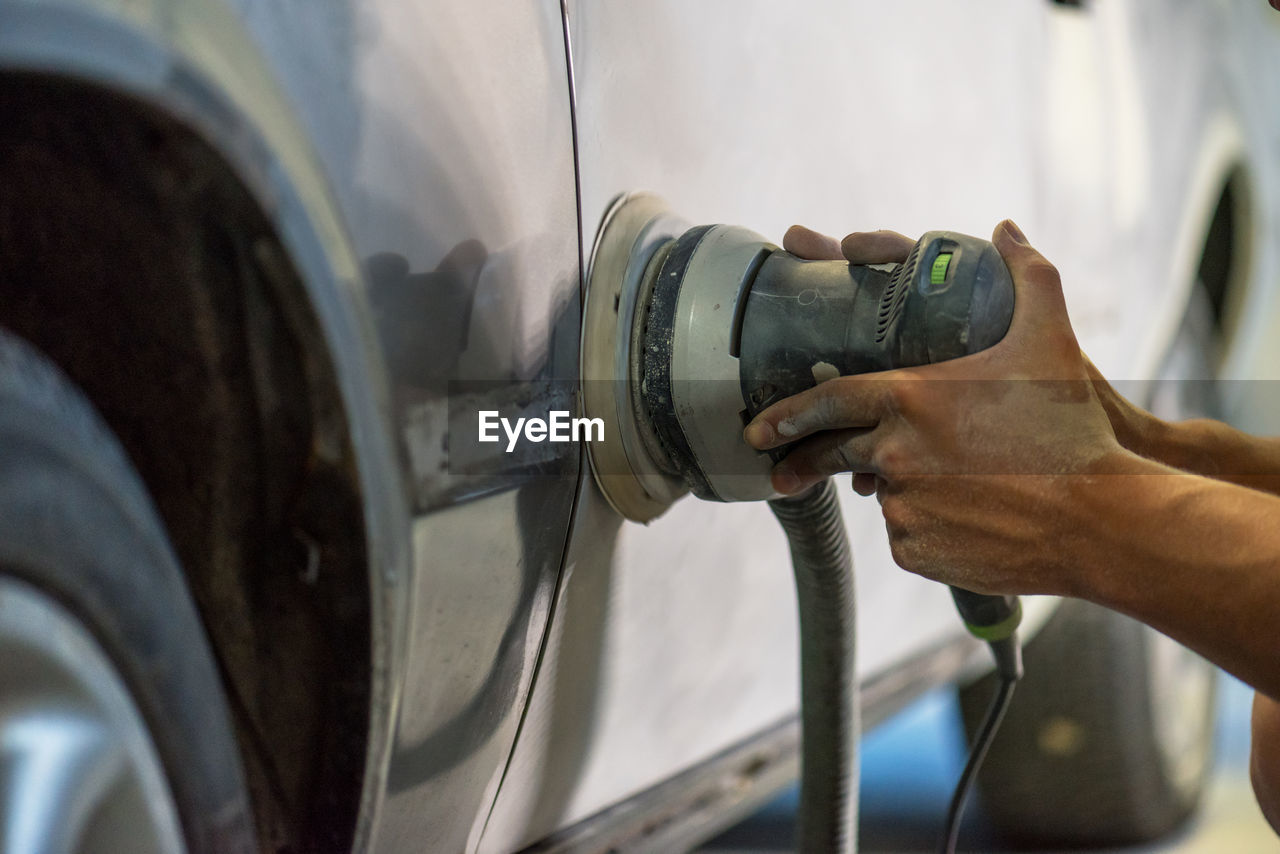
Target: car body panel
<point x="474" y="198"/>
<point x="538" y="659"/>
<point x="707" y="107"/>
<point x="446" y="130"/>
<point x="1076" y="128"/>
<point x="194" y="61"/>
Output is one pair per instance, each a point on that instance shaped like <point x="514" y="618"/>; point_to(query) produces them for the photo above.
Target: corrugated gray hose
<point x="827" y="823"/>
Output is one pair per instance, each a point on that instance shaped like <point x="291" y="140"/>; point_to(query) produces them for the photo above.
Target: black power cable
<point x="1008" y="655"/>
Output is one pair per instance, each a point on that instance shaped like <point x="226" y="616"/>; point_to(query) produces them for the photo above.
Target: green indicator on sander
<point x="938" y="272"/>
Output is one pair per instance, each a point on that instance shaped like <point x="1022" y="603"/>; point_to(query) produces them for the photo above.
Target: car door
<point x="673" y="641"/>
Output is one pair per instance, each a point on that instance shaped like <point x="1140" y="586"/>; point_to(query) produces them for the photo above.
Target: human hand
<point x="860" y="247"/>
<point x="967" y="457"/>
<point x="1135" y="428"/>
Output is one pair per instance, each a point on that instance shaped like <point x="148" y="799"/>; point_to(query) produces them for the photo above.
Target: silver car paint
<point x="194" y="60"/>
<point x="460" y="720"/>
<point x="708" y="106"/>
<point x="423" y="126"/>
<point x="457" y="139"/>
<point x="1087" y="126"/>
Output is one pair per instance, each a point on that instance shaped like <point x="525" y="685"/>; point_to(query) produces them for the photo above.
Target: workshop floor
<point x="910" y="764"/>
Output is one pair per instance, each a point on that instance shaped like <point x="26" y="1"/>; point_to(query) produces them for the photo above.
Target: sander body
<point x="714" y="324"/>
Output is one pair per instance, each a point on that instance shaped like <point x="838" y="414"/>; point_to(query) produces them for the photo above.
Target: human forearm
<point x="1200" y="446"/>
<point x="1213" y="449"/>
<point x="1209" y="576"/>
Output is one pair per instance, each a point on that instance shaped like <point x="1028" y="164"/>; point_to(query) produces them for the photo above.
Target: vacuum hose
<point x="820" y="555"/>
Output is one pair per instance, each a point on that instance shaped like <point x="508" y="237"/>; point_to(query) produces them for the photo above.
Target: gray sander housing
<point x="734" y="324"/>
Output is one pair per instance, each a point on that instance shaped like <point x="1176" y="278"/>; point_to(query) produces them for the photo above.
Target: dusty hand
<point x="969" y="457"/>
<point x="1135" y="428"/>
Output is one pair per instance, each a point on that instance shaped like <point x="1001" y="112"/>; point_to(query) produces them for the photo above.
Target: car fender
<point x="195" y="62"/>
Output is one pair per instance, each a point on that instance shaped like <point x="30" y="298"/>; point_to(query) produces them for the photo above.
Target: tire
<point x="105" y="669"/>
<point x="1109" y="739"/>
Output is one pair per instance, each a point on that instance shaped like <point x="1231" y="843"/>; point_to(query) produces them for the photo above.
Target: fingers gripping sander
<point x="712" y="324"/>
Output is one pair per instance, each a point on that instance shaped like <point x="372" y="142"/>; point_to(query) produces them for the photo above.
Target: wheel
<point x="1109" y="737"/>
<point x="1107" y="740"/>
<point x="114" y="730"/>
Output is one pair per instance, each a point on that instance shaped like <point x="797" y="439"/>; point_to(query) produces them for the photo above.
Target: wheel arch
<point x="1216" y="236"/>
<point x="1227" y="257"/>
<point x="266" y="338"/>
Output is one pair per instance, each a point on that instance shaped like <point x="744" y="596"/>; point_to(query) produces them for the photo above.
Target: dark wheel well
<point x="1224" y="265"/>
<point x="132" y="256"/>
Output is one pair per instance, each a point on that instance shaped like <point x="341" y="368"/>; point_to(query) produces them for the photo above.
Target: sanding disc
<point x="635" y="230"/>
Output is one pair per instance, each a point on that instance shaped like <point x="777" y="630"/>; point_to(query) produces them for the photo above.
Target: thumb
<point x="1094" y="373"/>
<point x="1038" y="304"/>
